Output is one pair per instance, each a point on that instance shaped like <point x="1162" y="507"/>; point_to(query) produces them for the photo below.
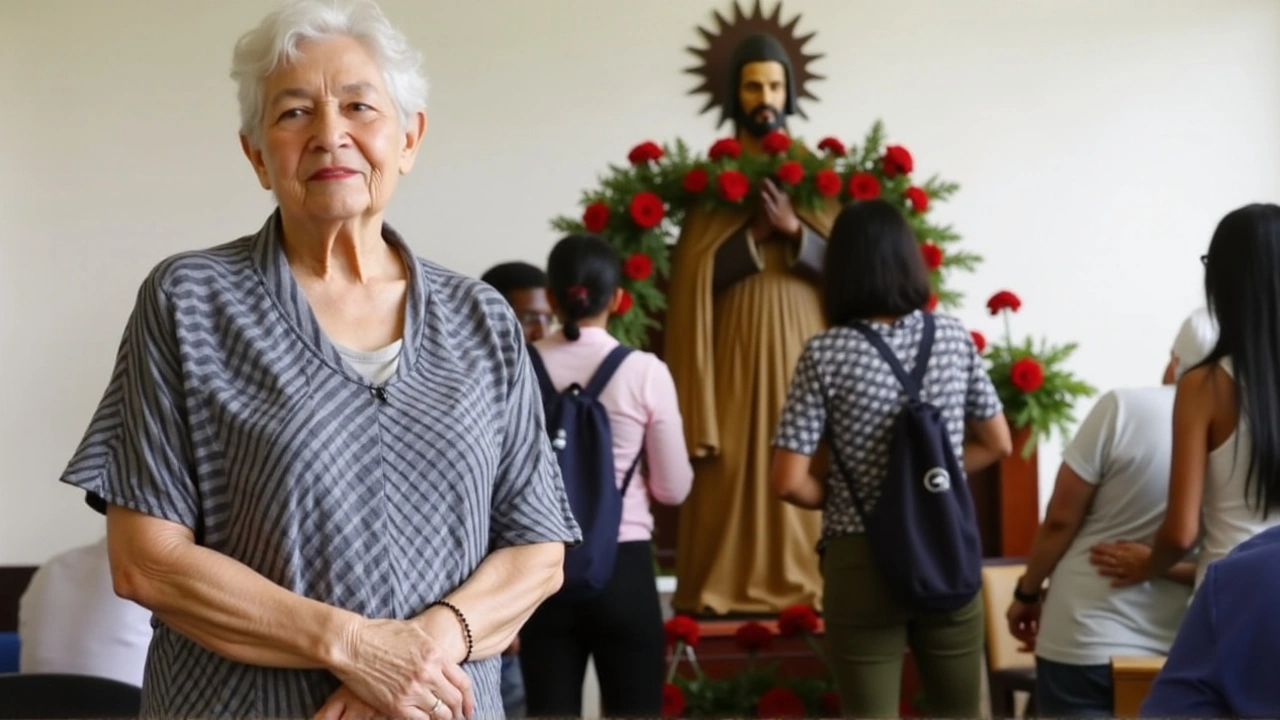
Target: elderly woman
<point x="322" y="459"/>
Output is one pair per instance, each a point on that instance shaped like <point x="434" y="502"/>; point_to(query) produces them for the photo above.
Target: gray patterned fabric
<point x="230" y="412"/>
<point x="839" y="369"/>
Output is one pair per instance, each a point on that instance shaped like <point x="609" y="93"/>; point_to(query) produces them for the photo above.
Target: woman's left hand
<point x="1125" y="562"/>
<point x="346" y="705"/>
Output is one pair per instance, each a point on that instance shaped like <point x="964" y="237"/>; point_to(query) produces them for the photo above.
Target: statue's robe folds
<point x="739" y="315"/>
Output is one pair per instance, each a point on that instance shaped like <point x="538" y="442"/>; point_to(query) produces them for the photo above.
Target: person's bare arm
<point x="497" y="599"/>
<point x="986" y="442"/>
<point x="1062" y="520"/>
<point x="791" y="477"/>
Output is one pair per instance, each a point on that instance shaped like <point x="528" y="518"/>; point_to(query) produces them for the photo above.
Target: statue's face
<point x="762" y="94"/>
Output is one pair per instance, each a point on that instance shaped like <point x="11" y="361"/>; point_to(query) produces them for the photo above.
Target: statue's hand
<point x="778" y="209"/>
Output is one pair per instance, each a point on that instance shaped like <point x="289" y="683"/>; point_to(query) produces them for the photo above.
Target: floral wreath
<point x="639" y="208"/>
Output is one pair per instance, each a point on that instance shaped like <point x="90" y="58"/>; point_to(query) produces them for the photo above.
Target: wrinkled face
<point x="762" y="94"/>
<point x="332" y="145"/>
<point x="533" y="310"/>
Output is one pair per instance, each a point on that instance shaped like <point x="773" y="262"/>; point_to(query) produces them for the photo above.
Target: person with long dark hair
<point x="1226" y="419"/>
<point x="845" y="392"/>
<point x="621" y="626"/>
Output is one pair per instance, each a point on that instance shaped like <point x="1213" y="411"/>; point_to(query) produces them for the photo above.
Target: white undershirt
<point x="376" y="366"/>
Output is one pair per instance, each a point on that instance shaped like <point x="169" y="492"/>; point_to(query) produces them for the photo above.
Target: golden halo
<point x="716" y="56"/>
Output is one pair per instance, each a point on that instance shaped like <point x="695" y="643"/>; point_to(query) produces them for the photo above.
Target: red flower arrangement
<point x="1037" y="393"/>
<point x="639" y="207"/>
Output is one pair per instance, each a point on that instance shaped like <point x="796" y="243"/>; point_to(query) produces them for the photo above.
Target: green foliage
<point x="737" y="696"/>
<point x="665" y="176"/>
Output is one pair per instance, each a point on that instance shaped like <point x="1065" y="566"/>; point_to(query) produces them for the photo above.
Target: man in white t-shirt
<point x="1113" y="484"/>
<point x="71" y="621"/>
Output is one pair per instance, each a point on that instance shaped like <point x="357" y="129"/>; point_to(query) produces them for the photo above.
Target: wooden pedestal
<point x="1006" y="498"/>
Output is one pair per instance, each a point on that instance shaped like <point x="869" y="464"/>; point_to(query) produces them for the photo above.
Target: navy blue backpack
<point x="580" y="434"/>
<point x="923" y="530"/>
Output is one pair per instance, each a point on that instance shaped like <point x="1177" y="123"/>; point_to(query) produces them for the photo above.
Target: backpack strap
<point x="540" y="372"/>
<point x="605" y="372"/>
<point x="910" y="383"/>
<point x="631" y="472"/>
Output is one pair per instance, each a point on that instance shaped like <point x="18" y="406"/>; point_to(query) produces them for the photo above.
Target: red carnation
<point x="695" y="181"/>
<point x="979" y="340"/>
<point x="753" y="637"/>
<point x="827" y="182"/>
<point x="918" y="198"/>
<point x="832" y="145"/>
<point x="1003" y="300"/>
<point x="596" y="217"/>
<point x="775" y="142"/>
<point x="790" y="172"/>
<point x="932" y="255"/>
<point x="681" y="628"/>
<point x="638" y="267"/>
<point x="897" y="161"/>
<point x="780" y="702"/>
<point x="932" y="303"/>
<point x="624" y="303"/>
<point x="1026" y="375"/>
<point x="647" y="209"/>
<point x="864" y="186"/>
<point x="673" y="703"/>
<point x="797" y="620"/>
<point x="733" y="185"/>
<point x="725" y="148"/>
<point x="830" y="702"/>
<point x="644" y="152"/>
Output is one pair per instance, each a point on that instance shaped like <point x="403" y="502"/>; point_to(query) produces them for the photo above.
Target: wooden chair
<point x="1132" y="677"/>
<point x="1009" y="669"/>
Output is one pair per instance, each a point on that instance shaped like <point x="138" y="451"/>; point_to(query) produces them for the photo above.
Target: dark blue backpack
<point x="580" y="434"/>
<point x="923" y="530"/>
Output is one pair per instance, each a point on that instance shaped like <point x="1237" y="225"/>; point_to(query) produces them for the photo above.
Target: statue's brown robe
<point x="740" y="549"/>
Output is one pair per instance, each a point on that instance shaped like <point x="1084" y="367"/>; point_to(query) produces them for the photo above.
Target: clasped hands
<point x="776" y="215"/>
<point x="395" y="669"/>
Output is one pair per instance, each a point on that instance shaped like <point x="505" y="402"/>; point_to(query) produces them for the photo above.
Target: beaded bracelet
<point x="466" y="627"/>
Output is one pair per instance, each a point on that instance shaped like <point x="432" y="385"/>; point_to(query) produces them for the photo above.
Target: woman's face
<point x="332" y="145"/>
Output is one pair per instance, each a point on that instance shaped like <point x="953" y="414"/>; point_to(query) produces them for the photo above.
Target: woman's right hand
<point x="401" y="671"/>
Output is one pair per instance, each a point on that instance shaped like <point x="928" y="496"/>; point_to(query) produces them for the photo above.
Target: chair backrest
<point x="61" y="697"/>
<point x="998" y="580"/>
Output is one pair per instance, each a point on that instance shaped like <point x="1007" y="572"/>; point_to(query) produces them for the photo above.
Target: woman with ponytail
<point x="1226" y="417"/>
<point x="621" y="626"/>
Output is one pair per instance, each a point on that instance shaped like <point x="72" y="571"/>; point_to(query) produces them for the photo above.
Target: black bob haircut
<point x="873" y="267"/>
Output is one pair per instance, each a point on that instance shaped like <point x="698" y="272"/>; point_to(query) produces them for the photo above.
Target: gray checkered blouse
<point x="231" y="413"/>
<point x="840" y="369"/>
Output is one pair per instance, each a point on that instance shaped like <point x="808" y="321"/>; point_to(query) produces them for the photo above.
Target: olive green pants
<point x="866" y="635"/>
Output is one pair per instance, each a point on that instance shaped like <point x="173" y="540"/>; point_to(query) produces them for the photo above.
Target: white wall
<point x="1098" y="143"/>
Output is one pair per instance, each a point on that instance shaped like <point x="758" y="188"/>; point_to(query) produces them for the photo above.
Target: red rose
<point x="780" y="702"/>
<point x="1026" y="375"/>
<point x="753" y="637"/>
<point x="932" y="255"/>
<point x="918" y="198"/>
<point x="932" y="303"/>
<point x="897" y="161"/>
<point x="638" y="267"/>
<point x="832" y="145"/>
<point x="725" y="148"/>
<point x="733" y="185"/>
<point x="644" y="152"/>
<point x="647" y="209"/>
<point x="672" y="701"/>
<point x="775" y="142"/>
<point x="1003" y="300"/>
<point x="797" y="620"/>
<point x="827" y="182"/>
<point x="596" y="217"/>
<point x="979" y="340"/>
<point x="681" y="628"/>
<point x="624" y="303"/>
<point x="695" y="181"/>
<point x="864" y="186"/>
<point x="830" y="703"/>
<point x="790" y="172"/>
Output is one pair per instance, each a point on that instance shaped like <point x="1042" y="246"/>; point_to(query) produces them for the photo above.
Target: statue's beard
<point x="763" y="119"/>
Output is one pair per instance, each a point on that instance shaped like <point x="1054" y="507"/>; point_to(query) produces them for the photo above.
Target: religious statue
<point x="743" y="299"/>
